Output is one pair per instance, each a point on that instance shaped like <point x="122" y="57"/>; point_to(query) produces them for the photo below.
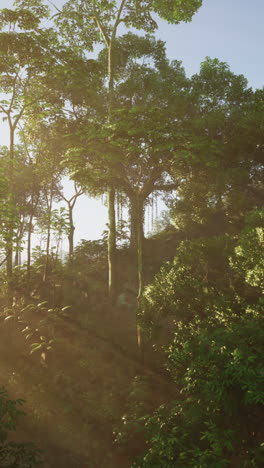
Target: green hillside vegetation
<point x="134" y="350"/>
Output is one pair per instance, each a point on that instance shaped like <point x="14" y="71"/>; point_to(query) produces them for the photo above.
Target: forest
<point x="144" y="348"/>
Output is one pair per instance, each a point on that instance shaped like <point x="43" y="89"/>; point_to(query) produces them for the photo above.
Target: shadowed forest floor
<point x="75" y="401"/>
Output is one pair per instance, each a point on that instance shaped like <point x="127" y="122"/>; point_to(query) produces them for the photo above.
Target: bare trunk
<point x="136" y="244"/>
<point x="9" y="261"/>
<point x="47" y="261"/>
<point x="137" y="236"/>
<point x="18" y="254"/>
<point x="71" y="232"/>
<point x="112" y="267"/>
<point x="140" y="237"/>
<point x="110" y="42"/>
<point x="29" y="246"/>
<point x="133" y="223"/>
<point x="46" y="268"/>
<point x="111" y="244"/>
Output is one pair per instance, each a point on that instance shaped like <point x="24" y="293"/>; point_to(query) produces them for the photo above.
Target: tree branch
<point x="71" y="202"/>
<point x="54" y="6"/>
<point x="13" y="93"/>
<point x="166" y="187"/>
<point x="102" y="30"/>
<point x="18" y="117"/>
<point x="3" y="109"/>
<point x="118" y="18"/>
<point x="61" y="195"/>
<point x="147" y="188"/>
<point x="124" y="183"/>
<point x="5" y="259"/>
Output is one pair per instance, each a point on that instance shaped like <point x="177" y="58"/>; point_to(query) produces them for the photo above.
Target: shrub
<point x="215" y="357"/>
<point x="13" y="454"/>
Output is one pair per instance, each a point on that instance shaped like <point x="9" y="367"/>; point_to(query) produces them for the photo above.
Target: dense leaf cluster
<point x="13" y="454"/>
<point x="213" y="292"/>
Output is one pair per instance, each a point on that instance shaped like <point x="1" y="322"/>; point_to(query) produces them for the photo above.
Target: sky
<point x="230" y="30"/>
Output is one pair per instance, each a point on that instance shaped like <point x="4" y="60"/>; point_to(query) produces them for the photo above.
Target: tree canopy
<point x="166" y="320"/>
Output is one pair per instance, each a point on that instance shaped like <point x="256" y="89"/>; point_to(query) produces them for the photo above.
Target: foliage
<point x="13" y="454"/>
<point x="9" y="213"/>
<point x="78" y="15"/>
<point x="215" y="357"/>
<point x="224" y="146"/>
<point x="248" y="256"/>
<point x="195" y="283"/>
<point x="37" y="323"/>
<point x="152" y="130"/>
<point x="218" y="367"/>
<point x="56" y="220"/>
<point x="84" y="279"/>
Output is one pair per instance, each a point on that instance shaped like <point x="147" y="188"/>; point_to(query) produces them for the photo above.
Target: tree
<point x="152" y="93"/>
<point x="47" y="129"/>
<point x="22" y="47"/>
<point x="8" y="214"/>
<point x="147" y="128"/>
<point x="213" y="292"/>
<point x="98" y="22"/>
<point x="225" y="148"/>
<point x="150" y="110"/>
<point x="206" y="305"/>
<point x="45" y="147"/>
<point x="71" y="204"/>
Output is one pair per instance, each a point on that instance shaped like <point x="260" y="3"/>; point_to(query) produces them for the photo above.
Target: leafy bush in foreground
<point x="13" y="454"/>
<point x="219" y="368"/>
<point x="215" y="358"/>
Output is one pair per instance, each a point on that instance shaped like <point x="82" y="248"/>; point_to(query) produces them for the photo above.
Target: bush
<point x="218" y="366"/>
<point x="198" y="278"/>
<point x="12" y="454"/>
<point x="215" y="357"/>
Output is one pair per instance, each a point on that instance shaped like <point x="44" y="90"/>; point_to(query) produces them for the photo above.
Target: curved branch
<point x="5" y="259"/>
<point x="102" y="30"/>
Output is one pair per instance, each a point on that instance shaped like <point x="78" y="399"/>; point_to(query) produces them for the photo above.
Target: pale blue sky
<point x="231" y="30"/>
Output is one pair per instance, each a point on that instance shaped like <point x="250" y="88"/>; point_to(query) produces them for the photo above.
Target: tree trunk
<point x="47" y="262"/>
<point x="136" y="244"/>
<point x="137" y="236"/>
<point x="140" y="236"/>
<point x="112" y="267"/>
<point x="111" y="244"/>
<point x="9" y="262"/>
<point x="133" y="223"/>
<point x="46" y="268"/>
<point x="110" y="43"/>
<point x="18" y="253"/>
<point x="71" y="232"/>
<point x="29" y="246"/>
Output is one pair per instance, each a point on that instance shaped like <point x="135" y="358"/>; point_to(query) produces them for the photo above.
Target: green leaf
<point x="9" y="317"/>
<point x="37" y="348"/>
<point x="41" y="304"/>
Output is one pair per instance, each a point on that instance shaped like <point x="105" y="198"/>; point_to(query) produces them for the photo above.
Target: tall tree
<point x="149" y="98"/>
<point x="71" y="202"/>
<point x="151" y="107"/>
<point x="148" y="121"/>
<point x="98" y="22"/>
<point x="23" y="45"/>
<point x="45" y="147"/>
<point x="225" y="148"/>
